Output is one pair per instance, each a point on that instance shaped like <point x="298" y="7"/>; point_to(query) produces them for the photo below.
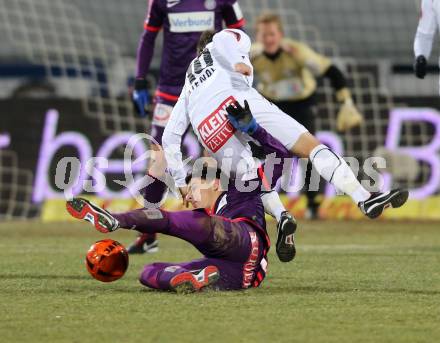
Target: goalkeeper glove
<point x="242" y="118"/>
<point x="420" y="65"/>
<point x="141" y="96"/>
<point x="348" y="116"/>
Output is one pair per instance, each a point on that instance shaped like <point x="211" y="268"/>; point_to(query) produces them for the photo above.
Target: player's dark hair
<point x="205" y="173"/>
<point x="204" y="40"/>
<point x="208" y="173"/>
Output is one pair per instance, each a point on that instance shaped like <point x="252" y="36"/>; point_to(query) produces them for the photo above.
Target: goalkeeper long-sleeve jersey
<point x="291" y="73"/>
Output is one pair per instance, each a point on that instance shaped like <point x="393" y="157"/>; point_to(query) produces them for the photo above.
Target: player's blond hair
<point x="269" y="18"/>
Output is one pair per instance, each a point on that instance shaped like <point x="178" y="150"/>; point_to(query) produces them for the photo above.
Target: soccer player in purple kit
<point x="228" y="226"/>
<point x="182" y="21"/>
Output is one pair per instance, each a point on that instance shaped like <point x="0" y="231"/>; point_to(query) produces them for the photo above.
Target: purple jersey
<point x="182" y="21"/>
<point x="232" y="236"/>
<point x="235" y="204"/>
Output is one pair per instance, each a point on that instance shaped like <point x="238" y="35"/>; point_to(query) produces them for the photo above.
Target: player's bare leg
<point x="335" y="170"/>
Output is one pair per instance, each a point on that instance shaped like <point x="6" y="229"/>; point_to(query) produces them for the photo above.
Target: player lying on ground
<point x="179" y="48"/>
<point x="228" y="228"/>
<point x="222" y="75"/>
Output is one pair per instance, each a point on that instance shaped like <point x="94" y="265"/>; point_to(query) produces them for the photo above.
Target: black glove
<point x="420" y="66"/>
<point x="242" y="118"/>
<point x="257" y="151"/>
<point x="141" y="97"/>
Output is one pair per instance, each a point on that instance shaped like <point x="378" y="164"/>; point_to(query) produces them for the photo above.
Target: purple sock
<point x="157" y="133"/>
<point x="195" y="227"/>
<point x="159" y="275"/>
<point x="145" y="220"/>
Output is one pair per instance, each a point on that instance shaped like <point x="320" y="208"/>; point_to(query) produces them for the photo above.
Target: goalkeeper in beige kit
<point x="286" y="72"/>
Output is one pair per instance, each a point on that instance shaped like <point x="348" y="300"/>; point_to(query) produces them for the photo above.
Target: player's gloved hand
<point x="242" y="118"/>
<point x="257" y="150"/>
<point x="141" y="97"/>
<point x="420" y="65"/>
<point x="348" y="116"/>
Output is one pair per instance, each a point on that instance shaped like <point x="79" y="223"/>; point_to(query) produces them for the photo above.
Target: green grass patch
<point x="351" y="282"/>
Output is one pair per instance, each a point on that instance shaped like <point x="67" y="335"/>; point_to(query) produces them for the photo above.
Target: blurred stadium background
<point x="66" y="65"/>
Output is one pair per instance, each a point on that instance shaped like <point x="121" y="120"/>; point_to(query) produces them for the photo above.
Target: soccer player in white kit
<point x="222" y="75"/>
<point x="428" y="26"/>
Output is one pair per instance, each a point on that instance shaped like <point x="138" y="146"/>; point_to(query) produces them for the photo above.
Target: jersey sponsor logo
<point x="216" y="129"/>
<point x="191" y="21"/>
<point x="172" y="3"/>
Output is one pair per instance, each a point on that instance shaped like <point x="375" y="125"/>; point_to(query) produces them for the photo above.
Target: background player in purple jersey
<point x="182" y="21"/>
<point x="228" y="227"/>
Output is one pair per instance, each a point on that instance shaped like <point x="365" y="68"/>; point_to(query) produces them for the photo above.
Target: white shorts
<point x="230" y="148"/>
<point x="284" y="128"/>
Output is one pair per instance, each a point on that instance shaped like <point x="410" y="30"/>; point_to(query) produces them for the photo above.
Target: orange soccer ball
<point x="107" y="260"/>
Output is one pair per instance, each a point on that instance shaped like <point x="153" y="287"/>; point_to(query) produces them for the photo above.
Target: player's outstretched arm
<point x="348" y="116"/>
<point x="141" y="96"/>
<point x="145" y="53"/>
<point x="172" y="143"/>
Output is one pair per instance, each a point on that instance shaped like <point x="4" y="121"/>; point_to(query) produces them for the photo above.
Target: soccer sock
<point x="195" y="227"/>
<point x="148" y="220"/>
<point x="158" y="275"/>
<point x="272" y="204"/>
<point x="311" y="192"/>
<point x="335" y="170"/>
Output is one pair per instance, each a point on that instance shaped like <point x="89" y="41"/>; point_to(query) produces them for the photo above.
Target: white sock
<point x="272" y="204"/>
<point x="335" y="170"/>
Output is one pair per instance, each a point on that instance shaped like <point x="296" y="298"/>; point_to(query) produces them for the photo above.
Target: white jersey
<point x="428" y="26"/>
<point x="211" y="85"/>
